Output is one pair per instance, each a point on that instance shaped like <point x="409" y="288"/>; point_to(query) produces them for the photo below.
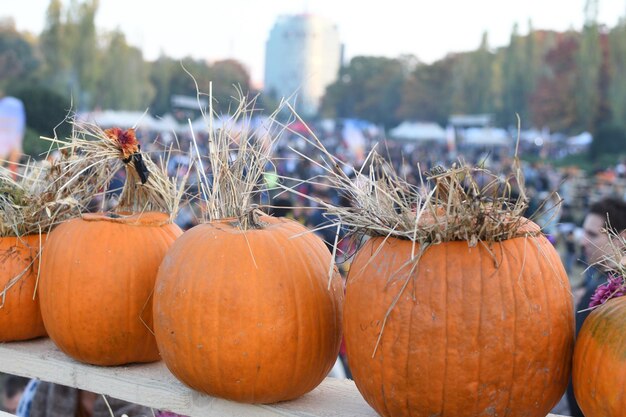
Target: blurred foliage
<point x="33" y="145"/>
<point x="609" y="140"/>
<point x="368" y="88"/>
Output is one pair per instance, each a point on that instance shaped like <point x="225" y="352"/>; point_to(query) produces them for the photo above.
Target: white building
<point x="302" y="57"/>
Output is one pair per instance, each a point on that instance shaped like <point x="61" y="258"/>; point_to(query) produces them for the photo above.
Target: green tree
<point x="472" y="80"/>
<point x="160" y="76"/>
<point x="85" y="50"/>
<point x="426" y="94"/>
<point x="368" y="88"/>
<point x="617" y="69"/>
<point x="608" y="140"/>
<point x="125" y="80"/>
<point x="588" y="63"/>
<point x="551" y="102"/>
<point x="228" y="76"/>
<point x="515" y="88"/>
<point x="18" y="61"/>
<point x="54" y="45"/>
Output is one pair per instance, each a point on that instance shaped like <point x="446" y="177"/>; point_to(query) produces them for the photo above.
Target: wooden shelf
<point x="154" y="386"/>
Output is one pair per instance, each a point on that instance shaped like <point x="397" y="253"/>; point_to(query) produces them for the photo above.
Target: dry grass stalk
<point x="613" y="264"/>
<point x="101" y="153"/>
<point x="462" y="203"/>
<point x="615" y="260"/>
<point x="231" y="174"/>
<point x="37" y="200"/>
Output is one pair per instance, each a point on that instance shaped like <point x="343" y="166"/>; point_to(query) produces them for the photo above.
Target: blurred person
<point x="570" y="251"/>
<point x="12" y="391"/>
<point x="52" y="400"/>
<point x="609" y="214"/>
<point x="12" y="129"/>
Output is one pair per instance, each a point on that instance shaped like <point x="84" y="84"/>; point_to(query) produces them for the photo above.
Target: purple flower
<point x="614" y="287"/>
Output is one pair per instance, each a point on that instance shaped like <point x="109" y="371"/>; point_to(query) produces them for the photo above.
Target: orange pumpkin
<point x="599" y="371"/>
<point x="475" y="331"/>
<point x="20" y="317"/>
<point x="97" y="277"/>
<point x="248" y="315"/>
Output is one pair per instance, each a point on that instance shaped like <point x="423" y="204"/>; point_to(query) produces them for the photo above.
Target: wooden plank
<point x="154" y="386"/>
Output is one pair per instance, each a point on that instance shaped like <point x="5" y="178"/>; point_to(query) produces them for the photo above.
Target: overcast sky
<point x="213" y="29"/>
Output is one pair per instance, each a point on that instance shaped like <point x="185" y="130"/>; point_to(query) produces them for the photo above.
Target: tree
<point x="160" y="76"/>
<point x="368" y="88"/>
<point x="617" y="83"/>
<point x="588" y="63"/>
<point x="18" y="62"/>
<point x="54" y="45"/>
<point x="228" y="76"/>
<point x="125" y="80"/>
<point x="472" y="81"/>
<point x="608" y="140"/>
<point x="515" y="85"/>
<point x="426" y="94"/>
<point x="85" y="50"/>
<point x="552" y="102"/>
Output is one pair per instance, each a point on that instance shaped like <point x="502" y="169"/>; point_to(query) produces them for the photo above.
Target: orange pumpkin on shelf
<point x="248" y="315"/>
<point x="461" y="331"/>
<point x="599" y="371"/>
<point x="97" y="277"/>
<point x="20" y="317"/>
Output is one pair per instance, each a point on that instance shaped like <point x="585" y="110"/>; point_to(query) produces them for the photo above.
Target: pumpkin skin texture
<point x="465" y="338"/>
<point x="97" y="277"/>
<point x="248" y="315"/>
<point x="599" y="371"/>
<point x="20" y="317"/>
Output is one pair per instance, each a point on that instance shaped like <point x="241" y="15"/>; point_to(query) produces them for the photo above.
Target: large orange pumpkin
<point x="599" y="371"/>
<point x="20" y="317"/>
<point x="476" y="331"/>
<point x="97" y="277"/>
<point x="248" y="315"/>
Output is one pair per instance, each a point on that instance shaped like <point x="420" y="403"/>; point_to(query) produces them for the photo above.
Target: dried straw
<point x="101" y="153"/>
<point x="615" y="259"/>
<point x="462" y="203"/>
<point x="37" y="200"/>
<point x="231" y="174"/>
<point x="613" y="264"/>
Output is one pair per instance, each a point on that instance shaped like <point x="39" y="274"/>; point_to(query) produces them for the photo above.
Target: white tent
<point x="122" y="119"/>
<point x="419" y="132"/>
<point x="488" y="136"/>
<point x="584" y="139"/>
<point x="167" y="123"/>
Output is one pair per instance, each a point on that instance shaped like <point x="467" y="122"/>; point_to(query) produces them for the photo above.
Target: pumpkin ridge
<point x="509" y="273"/>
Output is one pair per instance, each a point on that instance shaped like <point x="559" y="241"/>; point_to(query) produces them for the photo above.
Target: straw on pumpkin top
<point x="462" y="203"/>
<point x="104" y="152"/>
<point x="38" y="199"/>
<point x="231" y="174"/>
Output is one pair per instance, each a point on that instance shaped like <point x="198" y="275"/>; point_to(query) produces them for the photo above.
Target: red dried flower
<point x="125" y="139"/>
